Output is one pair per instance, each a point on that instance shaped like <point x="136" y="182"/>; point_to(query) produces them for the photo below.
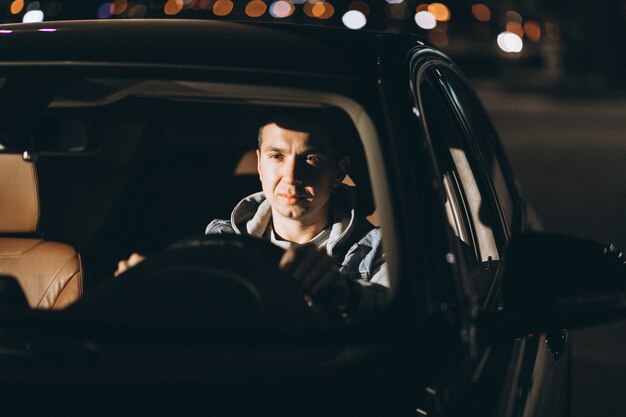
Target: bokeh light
<point x="513" y="16"/>
<point x="481" y="12"/>
<point x="397" y="11"/>
<point x="119" y="6"/>
<point x="421" y="8"/>
<point x="104" y="11"/>
<point x="33" y="16"/>
<point x="395" y="1"/>
<point x="440" y="11"/>
<point x="510" y="42"/>
<point x="360" y="6"/>
<point x="222" y="7"/>
<point x="553" y="32"/>
<point x="532" y="30"/>
<point x="282" y="9"/>
<point x="16" y="6"/>
<point x="515" y="27"/>
<point x="137" y="11"/>
<point x="354" y="19"/>
<point x="33" y="5"/>
<point x="438" y="38"/>
<point x="425" y="20"/>
<point x="256" y="8"/>
<point x="329" y="11"/>
<point x="173" y="7"/>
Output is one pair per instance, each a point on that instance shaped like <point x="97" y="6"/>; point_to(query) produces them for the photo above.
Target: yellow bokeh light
<point x="17" y="6"/>
<point x="256" y="8"/>
<point x="119" y="6"/>
<point x="532" y="30"/>
<point x="440" y="11"/>
<point x="329" y="11"/>
<point x="222" y="7"/>
<point x="173" y="7"/>
<point x="481" y="12"/>
<point x="515" y="27"/>
<point x="318" y="9"/>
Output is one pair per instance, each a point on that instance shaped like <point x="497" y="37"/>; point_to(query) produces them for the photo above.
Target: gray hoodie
<point x="354" y="242"/>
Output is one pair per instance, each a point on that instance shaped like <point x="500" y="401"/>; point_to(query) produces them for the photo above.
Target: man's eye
<point x="275" y="156"/>
<point x="314" y="159"/>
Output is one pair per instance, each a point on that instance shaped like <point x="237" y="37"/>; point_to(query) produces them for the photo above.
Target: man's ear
<point x="343" y="165"/>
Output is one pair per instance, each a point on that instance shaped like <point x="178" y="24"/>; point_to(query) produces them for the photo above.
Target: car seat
<point x="50" y="273"/>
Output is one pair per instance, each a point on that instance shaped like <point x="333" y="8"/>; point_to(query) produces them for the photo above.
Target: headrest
<point x="19" y="197"/>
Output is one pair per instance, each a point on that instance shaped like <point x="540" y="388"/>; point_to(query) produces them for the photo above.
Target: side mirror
<point x="552" y="281"/>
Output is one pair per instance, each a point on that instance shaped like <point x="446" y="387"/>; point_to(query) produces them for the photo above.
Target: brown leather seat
<point x="50" y="273"/>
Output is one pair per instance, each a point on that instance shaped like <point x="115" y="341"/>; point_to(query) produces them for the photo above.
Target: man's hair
<point x="333" y="123"/>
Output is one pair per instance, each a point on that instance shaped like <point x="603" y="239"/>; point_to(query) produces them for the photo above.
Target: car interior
<point x="107" y="167"/>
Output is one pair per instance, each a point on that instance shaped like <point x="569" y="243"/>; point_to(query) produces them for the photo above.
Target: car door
<point x="501" y="376"/>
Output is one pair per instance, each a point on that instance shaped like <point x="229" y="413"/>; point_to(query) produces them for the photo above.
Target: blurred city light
<point x="33" y="16"/>
<point x="553" y="32"/>
<point x="119" y="6"/>
<point x="481" y="12"/>
<point x="440" y="11"/>
<point x="395" y="1"/>
<point x="16" y="6"/>
<point x="397" y="11"/>
<point x="354" y="19"/>
<point x="421" y="8"/>
<point x="532" y="30"/>
<point x="256" y="8"/>
<point x="104" y="11"/>
<point x="425" y="20"/>
<point x="137" y="11"/>
<point x="282" y="8"/>
<point x="223" y="7"/>
<point x="510" y="42"/>
<point x="515" y="27"/>
<point x="173" y="7"/>
<point x="6" y="31"/>
<point x="513" y="16"/>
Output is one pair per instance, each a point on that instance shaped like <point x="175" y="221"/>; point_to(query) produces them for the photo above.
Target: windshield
<point x="162" y="189"/>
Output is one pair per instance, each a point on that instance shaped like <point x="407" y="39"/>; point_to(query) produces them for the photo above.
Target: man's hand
<point x="123" y="266"/>
<point x="317" y="273"/>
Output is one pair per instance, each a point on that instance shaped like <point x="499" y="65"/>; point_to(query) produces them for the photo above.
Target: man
<point x="334" y="253"/>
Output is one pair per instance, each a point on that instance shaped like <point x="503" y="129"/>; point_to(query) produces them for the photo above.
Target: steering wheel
<point x="223" y="281"/>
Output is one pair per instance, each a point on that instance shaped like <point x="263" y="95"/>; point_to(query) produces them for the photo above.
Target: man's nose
<point x="294" y="171"/>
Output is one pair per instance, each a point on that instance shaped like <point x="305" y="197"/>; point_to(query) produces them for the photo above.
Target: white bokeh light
<point x="354" y="19"/>
<point x="425" y="20"/>
<point x="33" y="16"/>
<point x="510" y="42"/>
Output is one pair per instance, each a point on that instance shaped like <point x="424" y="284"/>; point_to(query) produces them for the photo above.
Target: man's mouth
<point x="294" y="198"/>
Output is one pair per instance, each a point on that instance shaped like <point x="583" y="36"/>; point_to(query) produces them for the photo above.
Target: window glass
<point x="468" y="206"/>
<point x="485" y="140"/>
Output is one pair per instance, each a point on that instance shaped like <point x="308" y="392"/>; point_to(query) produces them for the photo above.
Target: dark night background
<point x="559" y="106"/>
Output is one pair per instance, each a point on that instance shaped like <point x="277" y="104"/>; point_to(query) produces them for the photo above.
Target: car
<point x="131" y="135"/>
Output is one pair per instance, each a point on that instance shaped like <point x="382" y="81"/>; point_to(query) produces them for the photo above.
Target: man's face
<point x="298" y="171"/>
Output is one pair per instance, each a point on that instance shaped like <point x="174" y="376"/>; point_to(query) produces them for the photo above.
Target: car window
<point x="472" y="213"/>
<point x="484" y="141"/>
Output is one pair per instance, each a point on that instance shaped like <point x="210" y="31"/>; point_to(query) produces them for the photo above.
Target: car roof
<point x="251" y="46"/>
